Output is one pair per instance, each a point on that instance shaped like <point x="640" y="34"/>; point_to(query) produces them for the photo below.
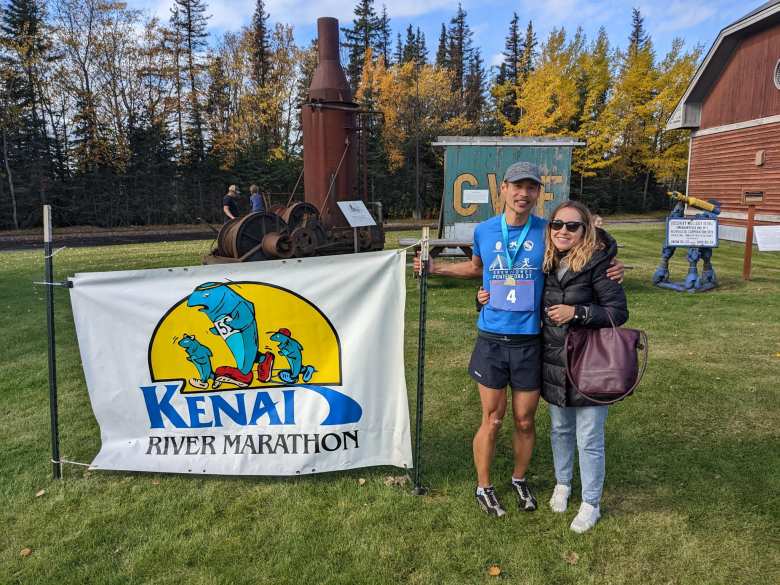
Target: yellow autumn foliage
<point x="413" y="99"/>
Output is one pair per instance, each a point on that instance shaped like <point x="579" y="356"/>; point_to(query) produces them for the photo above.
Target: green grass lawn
<point x="693" y="473"/>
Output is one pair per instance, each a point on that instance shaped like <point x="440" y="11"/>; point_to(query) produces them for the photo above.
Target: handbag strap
<point x="643" y="346"/>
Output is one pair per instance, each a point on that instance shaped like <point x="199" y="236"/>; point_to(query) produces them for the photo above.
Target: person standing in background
<point x="256" y="199"/>
<point x="230" y="203"/>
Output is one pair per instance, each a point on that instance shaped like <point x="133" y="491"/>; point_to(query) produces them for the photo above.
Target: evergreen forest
<point x="115" y="118"/>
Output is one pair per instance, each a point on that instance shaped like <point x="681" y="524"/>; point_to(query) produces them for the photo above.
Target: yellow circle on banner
<point x="200" y="337"/>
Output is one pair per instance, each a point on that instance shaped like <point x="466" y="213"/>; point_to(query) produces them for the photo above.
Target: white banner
<point x="264" y="368"/>
<point x="767" y="238"/>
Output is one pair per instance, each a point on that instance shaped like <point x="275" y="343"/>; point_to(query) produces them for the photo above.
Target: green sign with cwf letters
<point x="474" y="168"/>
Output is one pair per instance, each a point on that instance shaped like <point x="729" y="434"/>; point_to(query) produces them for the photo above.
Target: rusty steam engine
<point x="331" y="137"/>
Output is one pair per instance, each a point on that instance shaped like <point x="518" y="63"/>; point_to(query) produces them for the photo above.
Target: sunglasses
<point x="571" y="226"/>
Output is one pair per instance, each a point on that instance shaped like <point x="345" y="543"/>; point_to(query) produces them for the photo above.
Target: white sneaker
<point x="586" y="518"/>
<point x="560" y="498"/>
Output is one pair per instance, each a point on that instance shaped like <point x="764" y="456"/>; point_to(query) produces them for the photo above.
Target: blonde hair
<point x="582" y="252"/>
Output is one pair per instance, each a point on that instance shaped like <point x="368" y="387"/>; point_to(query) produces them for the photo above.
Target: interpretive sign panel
<point x="356" y="213"/>
<point x="692" y="233"/>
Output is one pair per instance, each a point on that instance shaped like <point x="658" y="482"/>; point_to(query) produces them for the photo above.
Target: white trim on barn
<point x="770" y="217"/>
<point x="736" y="126"/>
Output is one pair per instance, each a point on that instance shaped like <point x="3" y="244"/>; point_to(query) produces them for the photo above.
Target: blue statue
<point x="693" y="281"/>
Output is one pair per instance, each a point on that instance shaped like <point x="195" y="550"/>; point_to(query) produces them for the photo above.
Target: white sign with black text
<point x="356" y="213"/>
<point x="693" y="233"/>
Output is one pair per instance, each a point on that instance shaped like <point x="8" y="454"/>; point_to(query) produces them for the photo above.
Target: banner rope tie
<point x="417" y="243"/>
<point x="57" y="251"/>
<point x="65" y="283"/>
<point x="61" y="461"/>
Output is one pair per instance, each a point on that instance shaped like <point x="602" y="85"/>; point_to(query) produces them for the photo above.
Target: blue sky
<point x="696" y="21"/>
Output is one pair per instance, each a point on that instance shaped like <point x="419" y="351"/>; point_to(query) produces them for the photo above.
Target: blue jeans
<point x="583" y="426"/>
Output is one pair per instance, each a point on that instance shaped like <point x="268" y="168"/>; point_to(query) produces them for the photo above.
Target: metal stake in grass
<point x="419" y="490"/>
<point x="56" y="468"/>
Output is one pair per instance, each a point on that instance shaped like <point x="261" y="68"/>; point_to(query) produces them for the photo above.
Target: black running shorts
<point x="499" y="361"/>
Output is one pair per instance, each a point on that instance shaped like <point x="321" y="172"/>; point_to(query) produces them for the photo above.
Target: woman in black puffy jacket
<point x="577" y="293"/>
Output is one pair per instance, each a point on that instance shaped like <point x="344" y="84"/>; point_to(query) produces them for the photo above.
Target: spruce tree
<point x="363" y="35"/>
<point x="399" y="50"/>
<point x="474" y="96"/>
<point x="441" y="51"/>
<point x="638" y="38"/>
<point x="459" y="49"/>
<point x="261" y="44"/>
<point x="528" y="55"/>
<point x="421" y="50"/>
<point x="410" y="46"/>
<point x="414" y="49"/>
<point x="512" y="50"/>
<point x="507" y="79"/>
<point x="384" y="33"/>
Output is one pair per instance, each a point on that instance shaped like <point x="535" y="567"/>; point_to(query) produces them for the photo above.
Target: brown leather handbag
<point x="603" y="365"/>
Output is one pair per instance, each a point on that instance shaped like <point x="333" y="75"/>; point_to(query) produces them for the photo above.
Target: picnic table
<point x="444" y="248"/>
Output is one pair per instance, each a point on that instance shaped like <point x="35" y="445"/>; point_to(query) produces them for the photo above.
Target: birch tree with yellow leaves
<point x="548" y="99"/>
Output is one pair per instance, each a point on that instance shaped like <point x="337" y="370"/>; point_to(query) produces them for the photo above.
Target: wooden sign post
<point x="751" y="199"/>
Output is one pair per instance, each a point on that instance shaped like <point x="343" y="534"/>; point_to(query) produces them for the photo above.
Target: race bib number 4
<point x="515" y="295"/>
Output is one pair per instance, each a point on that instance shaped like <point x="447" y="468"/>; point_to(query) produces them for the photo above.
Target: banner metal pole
<point x="56" y="466"/>
<point x="419" y="490"/>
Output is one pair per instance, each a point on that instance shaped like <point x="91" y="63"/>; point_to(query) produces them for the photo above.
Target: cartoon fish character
<point x="200" y="356"/>
<point x="234" y="320"/>
<point x="293" y="351"/>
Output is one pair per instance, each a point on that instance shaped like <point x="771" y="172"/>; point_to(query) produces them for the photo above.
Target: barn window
<point x="777" y="74"/>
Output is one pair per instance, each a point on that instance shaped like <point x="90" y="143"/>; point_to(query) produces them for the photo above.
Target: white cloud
<point x="306" y="12"/>
<point x="232" y="14"/>
<point x="479" y="30"/>
<point x="560" y="12"/>
<point x="224" y="14"/>
<point x="679" y="15"/>
<point x="496" y="59"/>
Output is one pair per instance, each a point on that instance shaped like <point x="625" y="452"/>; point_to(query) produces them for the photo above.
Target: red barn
<point x="732" y="106"/>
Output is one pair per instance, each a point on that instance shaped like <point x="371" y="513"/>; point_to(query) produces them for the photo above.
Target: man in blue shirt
<point x="508" y="254"/>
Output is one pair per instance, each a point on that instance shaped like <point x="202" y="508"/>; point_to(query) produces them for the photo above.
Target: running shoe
<point x="560" y="498"/>
<point x="231" y="375"/>
<point x="525" y="499"/>
<point x="265" y="365"/>
<point x="586" y="518"/>
<point x="489" y="503"/>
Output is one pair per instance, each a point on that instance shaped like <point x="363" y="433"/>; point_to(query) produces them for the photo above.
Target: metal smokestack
<point x="329" y="130"/>
<point x="329" y="82"/>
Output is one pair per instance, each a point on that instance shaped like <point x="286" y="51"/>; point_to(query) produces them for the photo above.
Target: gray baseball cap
<point x="523" y="170"/>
